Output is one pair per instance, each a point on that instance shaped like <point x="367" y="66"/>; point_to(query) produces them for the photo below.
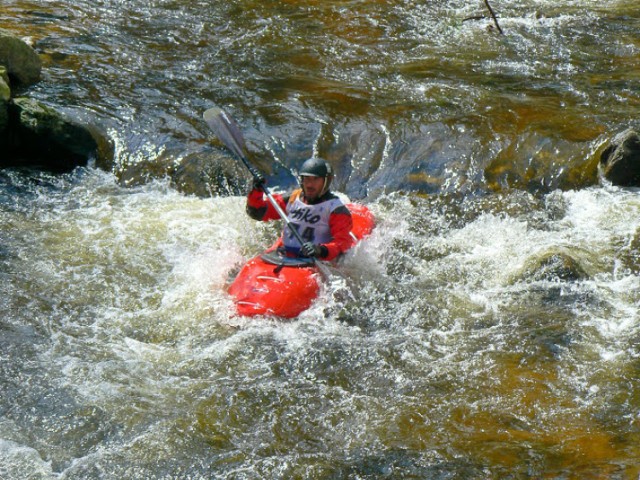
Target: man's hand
<point x="310" y="250"/>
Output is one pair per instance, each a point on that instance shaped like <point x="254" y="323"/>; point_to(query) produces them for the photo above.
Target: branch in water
<point x="476" y="17"/>
<point x="493" y="15"/>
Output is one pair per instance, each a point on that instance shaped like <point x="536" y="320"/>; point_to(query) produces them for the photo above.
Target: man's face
<point x="312" y="187"/>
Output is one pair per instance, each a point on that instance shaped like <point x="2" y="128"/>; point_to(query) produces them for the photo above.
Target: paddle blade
<point x="226" y="129"/>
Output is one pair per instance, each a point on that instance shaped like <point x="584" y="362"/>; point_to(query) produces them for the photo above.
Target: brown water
<point x="438" y="355"/>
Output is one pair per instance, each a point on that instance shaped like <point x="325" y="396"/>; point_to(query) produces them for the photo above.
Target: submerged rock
<point x="203" y="174"/>
<point x="553" y="266"/>
<point x="629" y="255"/>
<point x="620" y="161"/>
<point x="206" y="174"/>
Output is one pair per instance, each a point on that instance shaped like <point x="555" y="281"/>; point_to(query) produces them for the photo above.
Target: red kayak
<point x="272" y="284"/>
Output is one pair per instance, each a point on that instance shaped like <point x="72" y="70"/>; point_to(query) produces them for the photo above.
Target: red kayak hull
<point x="264" y="287"/>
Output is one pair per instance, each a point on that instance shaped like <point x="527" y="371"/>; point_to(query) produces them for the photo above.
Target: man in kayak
<point x="320" y="217"/>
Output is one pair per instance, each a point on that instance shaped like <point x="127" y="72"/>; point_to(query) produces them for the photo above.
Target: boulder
<point x="620" y="161"/>
<point x="38" y="135"/>
<point x="21" y="61"/>
<point x="33" y="134"/>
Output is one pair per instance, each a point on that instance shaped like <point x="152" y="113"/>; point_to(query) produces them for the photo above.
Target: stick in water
<point x="493" y="15"/>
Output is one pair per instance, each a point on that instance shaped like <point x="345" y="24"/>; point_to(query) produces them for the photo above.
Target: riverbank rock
<point x="38" y="136"/>
<point x="620" y="161"/>
<point x="22" y="62"/>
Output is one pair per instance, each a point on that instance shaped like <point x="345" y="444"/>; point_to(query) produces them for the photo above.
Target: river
<point x="443" y="350"/>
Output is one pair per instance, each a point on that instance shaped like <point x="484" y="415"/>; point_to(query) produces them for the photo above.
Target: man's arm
<point x="259" y="208"/>
<point x="340" y="224"/>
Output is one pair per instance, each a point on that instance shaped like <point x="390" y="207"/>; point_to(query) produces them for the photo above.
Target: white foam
<point x="19" y="461"/>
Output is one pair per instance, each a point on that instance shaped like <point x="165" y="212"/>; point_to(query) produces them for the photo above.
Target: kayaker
<point x="322" y="220"/>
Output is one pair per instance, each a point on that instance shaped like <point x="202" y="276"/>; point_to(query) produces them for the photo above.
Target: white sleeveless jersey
<point x="311" y="222"/>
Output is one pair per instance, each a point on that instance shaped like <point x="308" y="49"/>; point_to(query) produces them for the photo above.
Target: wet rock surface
<point x="620" y="161"/>
<point x="36" y="135"/>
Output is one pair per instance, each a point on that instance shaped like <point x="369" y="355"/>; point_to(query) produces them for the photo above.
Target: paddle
<point x="228" y="131"/>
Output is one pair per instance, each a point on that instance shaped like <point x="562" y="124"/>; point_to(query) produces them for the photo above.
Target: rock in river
<point x="620" y="161"/>
<point x="22" y="63"/>
<point x="39" y="136"/>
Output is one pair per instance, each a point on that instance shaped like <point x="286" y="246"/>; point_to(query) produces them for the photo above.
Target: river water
<point x="442" y="350"/>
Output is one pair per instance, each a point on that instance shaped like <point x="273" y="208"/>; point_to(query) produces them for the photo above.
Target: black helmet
<point x="316" y="167"/>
